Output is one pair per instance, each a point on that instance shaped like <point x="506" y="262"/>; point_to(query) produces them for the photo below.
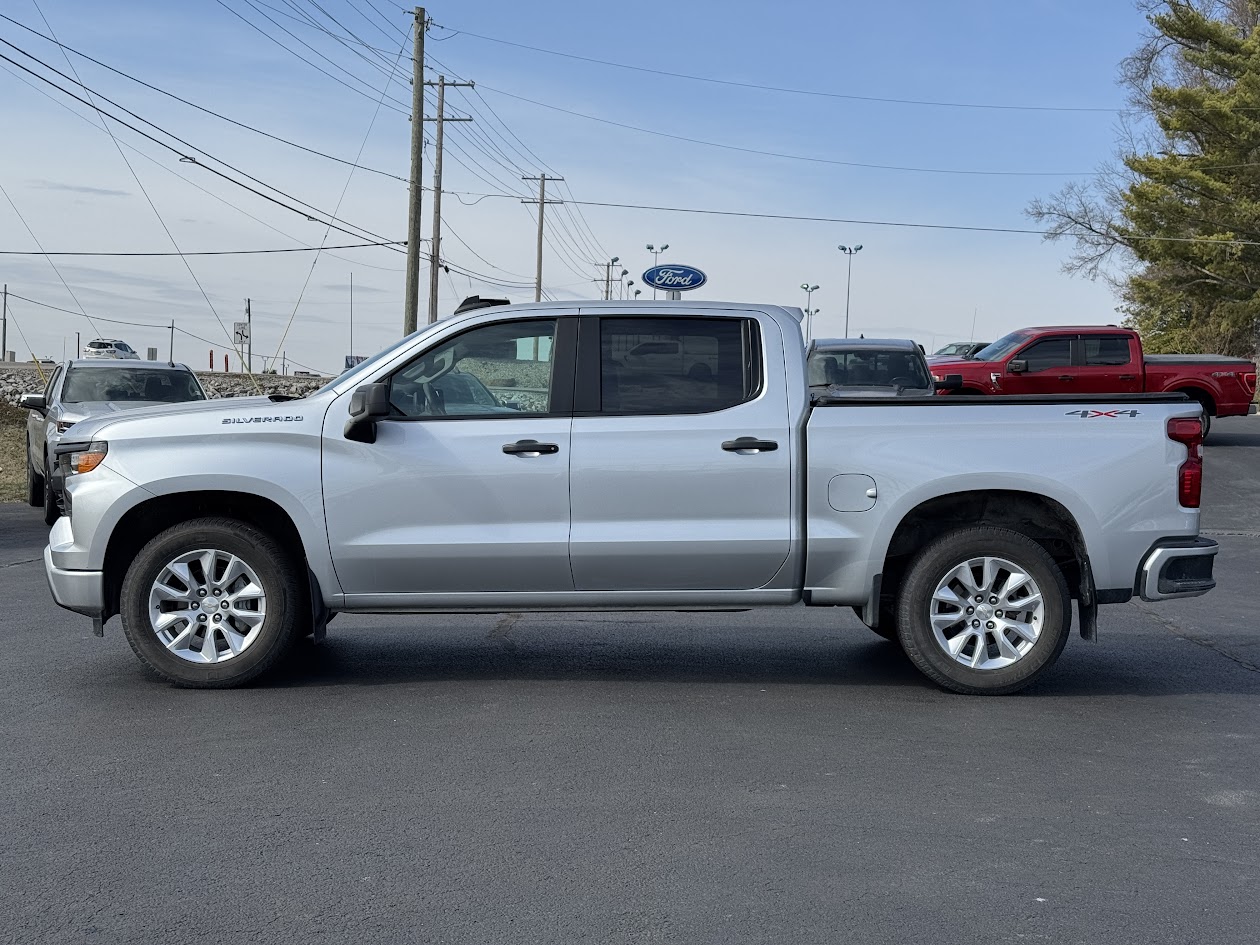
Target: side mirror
<point x="951" y="382"/>
<point x="37" y="402"/>
<point x="367" y="405"/>
<point x="1018" y="366"/>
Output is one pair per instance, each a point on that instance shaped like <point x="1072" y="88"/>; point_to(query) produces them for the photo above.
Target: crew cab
<point x="1101" y="360"/>
<point x="607" y="477"/>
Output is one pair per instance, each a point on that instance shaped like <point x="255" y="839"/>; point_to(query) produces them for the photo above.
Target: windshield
<point x="830" y="368"/>
<point x="364" y="367"/>
<point x="1002" y="347"/>
<point x="152" y="385"/>
<point x="957" y="347"/>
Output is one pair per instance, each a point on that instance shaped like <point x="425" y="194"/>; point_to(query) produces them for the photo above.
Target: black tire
<point x="1207" y="423"/>
<point x="934" y="562"/>
<point x="282" y="579"/>
<point x="34" y="482"/>
<point x="52" y="506"/>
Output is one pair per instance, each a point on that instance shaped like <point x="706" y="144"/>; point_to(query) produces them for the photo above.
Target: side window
<point x="1051" y="353"/>
<point x="1108" y="350"/>
<point x="501" y="370"/>
<point x="677" y="365"/>
<point x="52" y="383"/>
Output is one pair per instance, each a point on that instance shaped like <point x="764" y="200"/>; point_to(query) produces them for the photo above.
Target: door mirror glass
<point x="368" y="404"/>
<point x="34" y="402"/>
<point x="1018" y="366"/>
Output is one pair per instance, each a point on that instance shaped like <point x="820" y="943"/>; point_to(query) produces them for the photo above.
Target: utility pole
<point x="78" y="348"/>
<point x="435" y="241"/>
<point x="352" y="315"/>
<point x="4" y="325"/>
<point x="249" y="338"/>
<point x="542" y="206"/>
<point x="411" y="305"/>
<point x="171" y="351"/>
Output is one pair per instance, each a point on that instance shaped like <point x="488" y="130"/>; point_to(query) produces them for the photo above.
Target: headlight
<point x="86" y="459"/>
<point x="938" y="377"/>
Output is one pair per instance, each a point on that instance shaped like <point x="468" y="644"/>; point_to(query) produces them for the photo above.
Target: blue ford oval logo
<point x="677" y="278"/>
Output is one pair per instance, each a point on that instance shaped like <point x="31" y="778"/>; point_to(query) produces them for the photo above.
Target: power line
<point x="785" y="155"/>
<point x="785" y="89"/>
<point x="195" y="186"/>
<point x="136" y="177"/>
<point x="64" y="283"/>
<point x="183" y="157"/>
<point x="208" y="252"/>
<point x="202" y="108"/>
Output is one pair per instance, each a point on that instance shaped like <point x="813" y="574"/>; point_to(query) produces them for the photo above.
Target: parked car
<point x="80" y="389"/>
<point x="224" y="531"/>
<point x="1103" y="360"/>
<point x="868" y="367"/>
<point x="110" y="348"/>
<point x="959" y="349"/>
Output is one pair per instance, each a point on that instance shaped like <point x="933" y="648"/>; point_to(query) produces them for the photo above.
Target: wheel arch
<point x="1201" y="394"/>
<point x="144" y="521"/>
<point x="1043" y="519"/>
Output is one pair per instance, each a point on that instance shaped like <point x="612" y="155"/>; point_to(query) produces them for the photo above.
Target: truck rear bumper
<point x="1177" y="567"/>
<point x="80" y="591"/>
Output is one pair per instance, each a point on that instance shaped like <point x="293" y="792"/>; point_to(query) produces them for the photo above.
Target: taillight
<point x="1249" y="380"/>
<point x="1190" y="473"/>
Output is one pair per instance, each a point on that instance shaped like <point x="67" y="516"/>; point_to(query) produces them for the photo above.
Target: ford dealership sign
<point x="675" y="278"/>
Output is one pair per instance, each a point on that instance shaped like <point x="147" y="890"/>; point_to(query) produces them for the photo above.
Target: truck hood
<point x="89" y="429"/>
<point x="942" y="366"/>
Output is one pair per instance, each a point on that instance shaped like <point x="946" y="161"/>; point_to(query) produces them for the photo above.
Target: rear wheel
<point x="212" y="603"/>
<point x="983" y="611"/>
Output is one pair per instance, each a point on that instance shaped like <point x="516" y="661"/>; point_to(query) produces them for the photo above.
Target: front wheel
<point x="983" y="611"/>
<point x="52" y="505"/>
<point x="212" y="603"/>
<point x="34" y="482"/>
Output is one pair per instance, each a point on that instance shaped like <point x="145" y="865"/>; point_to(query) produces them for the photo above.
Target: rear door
<point x="1048" y="368"/>
<point x="681" y="467"/>
<point x="1108" y="364"/>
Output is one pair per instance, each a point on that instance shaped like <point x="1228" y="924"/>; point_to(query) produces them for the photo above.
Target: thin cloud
<point x="77" y="188"/>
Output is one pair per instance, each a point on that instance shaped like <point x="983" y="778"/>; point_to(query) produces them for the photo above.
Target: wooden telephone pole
<point x="412" y="294"/>
<point x="542" y="202"/>
<point x="435" y="242"/>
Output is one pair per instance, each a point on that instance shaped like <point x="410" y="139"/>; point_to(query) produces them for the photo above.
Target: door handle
<point x="1067" y="377"/>
<point x="530" y="448"/>
<point x="1128" y="377"/>
<point x="749" y="444"/>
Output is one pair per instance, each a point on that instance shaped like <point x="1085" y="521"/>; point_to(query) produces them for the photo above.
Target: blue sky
<point x="69" y="182"/>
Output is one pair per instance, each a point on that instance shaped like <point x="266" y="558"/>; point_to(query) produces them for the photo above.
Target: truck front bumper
<point x="1177" y="567"/>
<point x="80" y="591"/>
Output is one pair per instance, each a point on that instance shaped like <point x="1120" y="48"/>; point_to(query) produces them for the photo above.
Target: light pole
<point x="656" y="258"/>
<point x="849" y="251"/>
<point x="809" y="324"/>
<point x="608" y="276"/>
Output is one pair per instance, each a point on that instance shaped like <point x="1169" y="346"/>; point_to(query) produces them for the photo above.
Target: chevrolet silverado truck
<point x="593" y="478"/>
<point x="1103" y="360"/>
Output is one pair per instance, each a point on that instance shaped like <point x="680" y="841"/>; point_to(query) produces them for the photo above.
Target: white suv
<point x="110" y="348"/>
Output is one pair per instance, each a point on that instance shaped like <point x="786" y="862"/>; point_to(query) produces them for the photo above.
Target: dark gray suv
<point x="84" y="388"/>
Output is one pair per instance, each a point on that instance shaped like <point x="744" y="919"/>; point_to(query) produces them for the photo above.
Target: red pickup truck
<point x="1098" y="359"/>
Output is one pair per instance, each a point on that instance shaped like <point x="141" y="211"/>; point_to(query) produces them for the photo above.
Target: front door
<point x="1047" y="368"/>
<point x="663" y="496"/>
<point x="466" y="489"/>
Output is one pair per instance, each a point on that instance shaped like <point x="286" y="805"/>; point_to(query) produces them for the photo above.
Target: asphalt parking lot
<point x="773" y="776"/>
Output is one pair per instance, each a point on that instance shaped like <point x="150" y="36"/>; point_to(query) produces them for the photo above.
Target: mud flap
<point x="320" y="615"/>
<point x="1087" y="603"/>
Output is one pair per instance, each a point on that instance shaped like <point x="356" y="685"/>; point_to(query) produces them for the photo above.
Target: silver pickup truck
<point x="542" y="458"/>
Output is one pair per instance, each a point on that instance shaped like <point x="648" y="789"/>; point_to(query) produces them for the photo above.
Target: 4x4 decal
<point x="1111" y="414"/>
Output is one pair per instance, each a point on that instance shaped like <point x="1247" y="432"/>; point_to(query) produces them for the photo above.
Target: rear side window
<point x="677" y="365"/>
<point x="1051" y="353"/>
<point x="1108" y="350"/>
